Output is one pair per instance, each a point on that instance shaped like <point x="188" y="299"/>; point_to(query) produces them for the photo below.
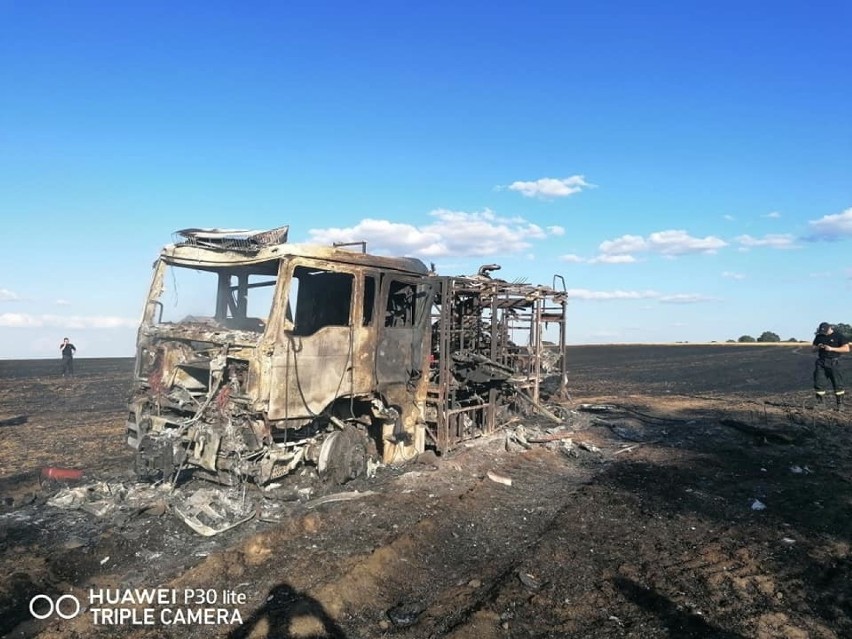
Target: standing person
<point x="67" y="349"/>
<point x="829" y="344"/>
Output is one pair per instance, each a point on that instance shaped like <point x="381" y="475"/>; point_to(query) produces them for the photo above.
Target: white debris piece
<point x="589" y="447"/>
<point x="372" y="467"/>
<point x="800" y="470"/>
<point x="500" y="479"/>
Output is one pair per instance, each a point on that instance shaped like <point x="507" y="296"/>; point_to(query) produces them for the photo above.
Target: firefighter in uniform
<point x="829" y="344"/>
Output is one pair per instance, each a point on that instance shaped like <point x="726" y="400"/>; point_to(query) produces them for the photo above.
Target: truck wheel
<point x="343" y="456"/>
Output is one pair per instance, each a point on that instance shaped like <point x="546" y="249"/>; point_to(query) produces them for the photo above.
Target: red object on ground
<point x="61" y="473"/>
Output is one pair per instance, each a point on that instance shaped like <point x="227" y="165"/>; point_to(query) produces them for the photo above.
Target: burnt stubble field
<point x="710" y="500"/>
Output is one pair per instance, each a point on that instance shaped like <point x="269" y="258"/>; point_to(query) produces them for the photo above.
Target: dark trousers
<point x="827" y="371"/>
<point x="67" y="366"/>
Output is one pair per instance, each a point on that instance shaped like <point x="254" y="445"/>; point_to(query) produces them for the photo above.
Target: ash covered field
<point x="706" y="498"/>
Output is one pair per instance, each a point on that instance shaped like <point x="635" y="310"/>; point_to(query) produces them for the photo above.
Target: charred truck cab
<point x="255" y="356"/>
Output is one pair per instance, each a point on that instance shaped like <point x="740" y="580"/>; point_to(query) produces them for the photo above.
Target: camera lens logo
<point x="65" y="606"/>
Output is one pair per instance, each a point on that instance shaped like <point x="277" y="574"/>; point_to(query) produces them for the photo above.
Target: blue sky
<point x="687" y="167"/>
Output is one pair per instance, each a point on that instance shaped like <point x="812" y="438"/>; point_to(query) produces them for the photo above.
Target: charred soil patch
<point x="711" y="501"/>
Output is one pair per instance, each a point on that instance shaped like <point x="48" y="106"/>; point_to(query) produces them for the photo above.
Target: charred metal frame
<point x="477" y="368"/>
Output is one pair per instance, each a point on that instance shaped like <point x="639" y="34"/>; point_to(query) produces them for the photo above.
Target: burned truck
<point x="256" y="356"/>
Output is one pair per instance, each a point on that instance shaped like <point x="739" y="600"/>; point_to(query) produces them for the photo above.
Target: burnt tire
<point x="343" y="456"/>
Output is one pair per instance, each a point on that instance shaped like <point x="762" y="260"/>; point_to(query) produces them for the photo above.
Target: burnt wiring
<point x="350" y="351"/>
<point x="349" y="364"/>
<point x="215" y="381"/>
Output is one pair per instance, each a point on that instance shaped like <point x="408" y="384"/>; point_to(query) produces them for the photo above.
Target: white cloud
<point x="670" y="243"/>
<point x="613" y="259"/>
<point x="624" y="244"/>
<point x="730" y="275"/>
<point x="585" y="294"/>
<point x="551" y="187"/>
<point x="729" y="218"/>
<point x="600" y="259"/>
<point x="774" y="215"/>
<point x="62" y="303"/>
<point x="830" y="227"/>
<point x="680" y="243"/>
<point x="676" y="298"/>
<point x="556" y="230"/>
<point x="776" y="241"/>
<point x="383" y="234"/>
<point x="687" y="298"/>
<point x="455" y="233"/>
<point x="77" y="322"/>
<point x="8" y="296"/>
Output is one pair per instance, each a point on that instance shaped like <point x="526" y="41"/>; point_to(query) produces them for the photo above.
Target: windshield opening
<point x="233" y="297"/>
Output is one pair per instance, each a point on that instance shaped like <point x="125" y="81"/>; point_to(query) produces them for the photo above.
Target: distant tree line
<point x="769" y="336"/>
